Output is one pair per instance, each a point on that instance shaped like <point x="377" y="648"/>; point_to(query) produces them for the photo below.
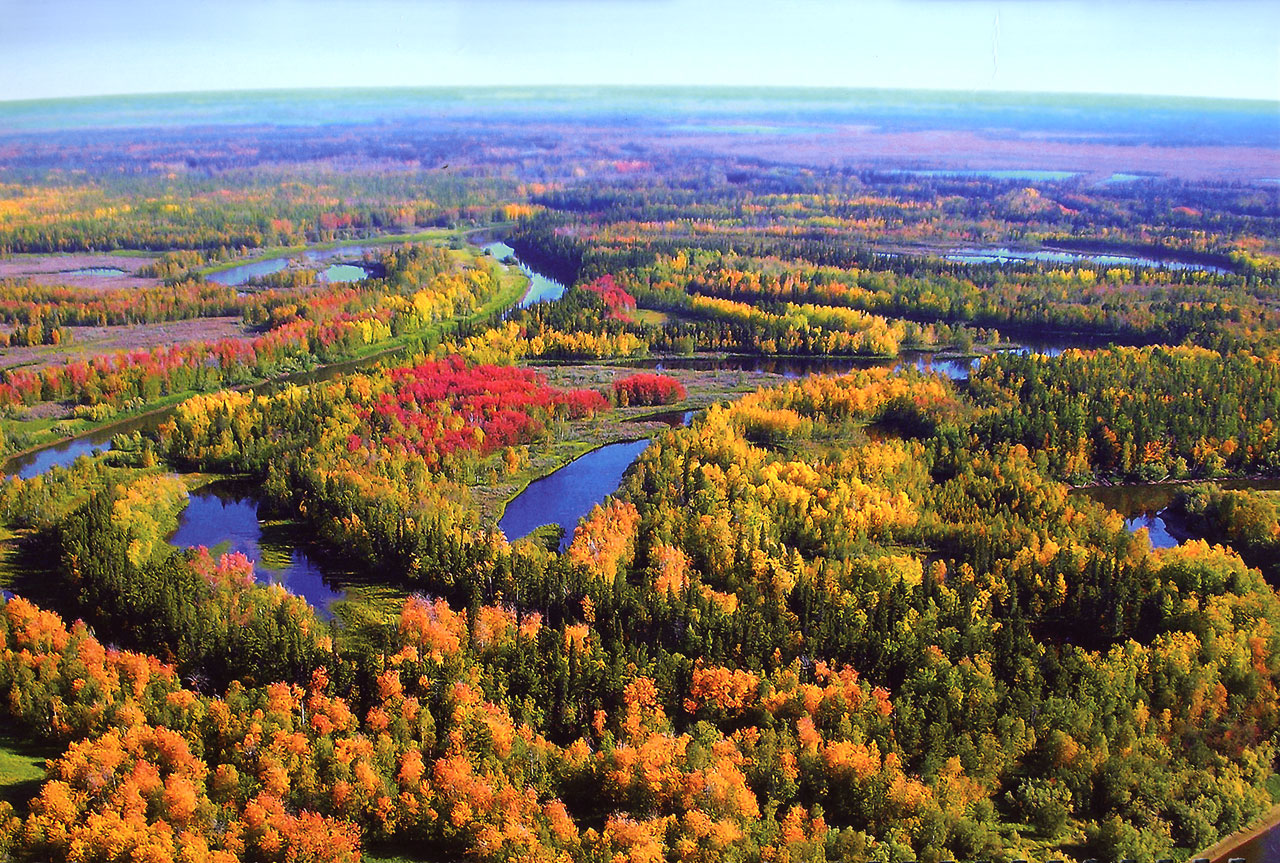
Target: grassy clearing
<point x="651" y="317"/>
<point x="22" y="770"/>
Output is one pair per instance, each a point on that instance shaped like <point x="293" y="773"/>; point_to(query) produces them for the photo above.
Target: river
<point x="541" y="288"/>
<point x="65" y="452"/>
<point x="565" y="496"/>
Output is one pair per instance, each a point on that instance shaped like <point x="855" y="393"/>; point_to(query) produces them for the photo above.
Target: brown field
<point x="53" y="270"/>
<point x="91" y="341"/>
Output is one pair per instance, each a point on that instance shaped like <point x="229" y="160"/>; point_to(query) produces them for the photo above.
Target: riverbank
<point x="1257" y="843"/>
<point x="62" y="434"/>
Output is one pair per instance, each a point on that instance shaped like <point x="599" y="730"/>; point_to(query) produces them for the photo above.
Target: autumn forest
<point x="926" y="504"/>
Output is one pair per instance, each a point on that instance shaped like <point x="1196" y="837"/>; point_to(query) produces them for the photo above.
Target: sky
<point x="1224" y="49"/>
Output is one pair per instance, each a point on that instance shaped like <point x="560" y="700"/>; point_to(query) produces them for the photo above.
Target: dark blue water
<point x="224" y="519"/>
<point x="541" y="289"/>
<point x="61" y="455"/>
<point x="567" y="495"/>
<point x="64" y="453"/>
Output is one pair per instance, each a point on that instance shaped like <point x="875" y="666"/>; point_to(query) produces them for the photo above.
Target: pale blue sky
<point x="1229" y="48"/>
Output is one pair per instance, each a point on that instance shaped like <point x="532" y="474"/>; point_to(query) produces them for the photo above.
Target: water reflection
<point x="1149" y="506"/>
<point x="955" y="368"/>
<point x="223" y="517"/>
<point x="999" y="255"/>
<point x="541" y="289"/>
<point x="567" y="495"/>
<point x="339" y="272"/>
<point x="96" y="271"/>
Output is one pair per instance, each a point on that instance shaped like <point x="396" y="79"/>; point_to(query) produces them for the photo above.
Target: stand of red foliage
<point x="436" y="408"/>
<point x="647" y="388"/>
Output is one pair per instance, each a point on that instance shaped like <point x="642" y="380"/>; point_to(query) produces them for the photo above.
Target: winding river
<point x="541" y="288"/>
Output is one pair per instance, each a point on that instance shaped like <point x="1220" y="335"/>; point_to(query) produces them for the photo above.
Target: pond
<point x="344" y="273"/>
<point x="1148" y="506"/>
<point x="96" y="271"/>
<point x="1068" y="256"/>
<point x="241" y="273"/>
<point x="236" y="276"/>
<point x="223" y="517"/>
<point x="565" y="496"/>
<point x="541" y="289"/>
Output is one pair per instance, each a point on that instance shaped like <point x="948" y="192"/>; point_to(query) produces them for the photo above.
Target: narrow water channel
<point x="1147" y="505"/>
<point x="541" y="289"/>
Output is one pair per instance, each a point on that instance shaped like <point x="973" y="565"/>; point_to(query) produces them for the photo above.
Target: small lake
<point x="241" y="273"/>
<point x="1064" y="256"/>
<point x="541" y="289"/>
<point x="344" y="273"/>
<point x="223" y="517"/>
<point x="96" y="271"/>
<point x="1147" y="506"/>
<point x="565" y="496"/>
<point x="236" y="276"/>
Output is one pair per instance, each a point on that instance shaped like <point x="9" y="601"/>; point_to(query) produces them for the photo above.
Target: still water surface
<point x="223" y="517"/>
<point x="541" y="289"/>
<point x="567" y="495"/>
<point x="988" y="255"/>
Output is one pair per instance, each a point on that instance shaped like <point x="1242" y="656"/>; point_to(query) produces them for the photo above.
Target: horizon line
<point x="636" y="87"/>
